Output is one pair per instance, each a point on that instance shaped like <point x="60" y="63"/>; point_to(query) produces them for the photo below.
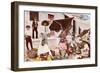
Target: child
<point x="28" y="37"/>
<point x="63" y="48"/>
<point x="57" y="53"/>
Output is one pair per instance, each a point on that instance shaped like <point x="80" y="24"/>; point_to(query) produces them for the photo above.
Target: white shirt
<point x="57" y="33"/>
<point x="28" y="32"/>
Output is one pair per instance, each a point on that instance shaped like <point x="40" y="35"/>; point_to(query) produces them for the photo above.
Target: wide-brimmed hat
<point x="45" y="23"/>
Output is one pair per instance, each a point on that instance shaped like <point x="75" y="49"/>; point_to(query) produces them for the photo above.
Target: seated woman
<point x="43" y="50"/>
<point x="85" y="50"/>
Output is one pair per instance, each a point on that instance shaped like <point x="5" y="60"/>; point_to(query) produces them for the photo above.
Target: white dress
<point x="44" y="49"/>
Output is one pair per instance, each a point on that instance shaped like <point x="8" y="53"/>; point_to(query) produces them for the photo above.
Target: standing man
<point x="28" y="37"/>
<point x="34" y="28"/>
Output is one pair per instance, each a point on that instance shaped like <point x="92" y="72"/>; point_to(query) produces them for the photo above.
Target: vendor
<point x="44" y="50"/>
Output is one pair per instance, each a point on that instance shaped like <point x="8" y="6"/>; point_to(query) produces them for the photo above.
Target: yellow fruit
<point x="38" y="59"/>
<point x="49" y="58"/>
